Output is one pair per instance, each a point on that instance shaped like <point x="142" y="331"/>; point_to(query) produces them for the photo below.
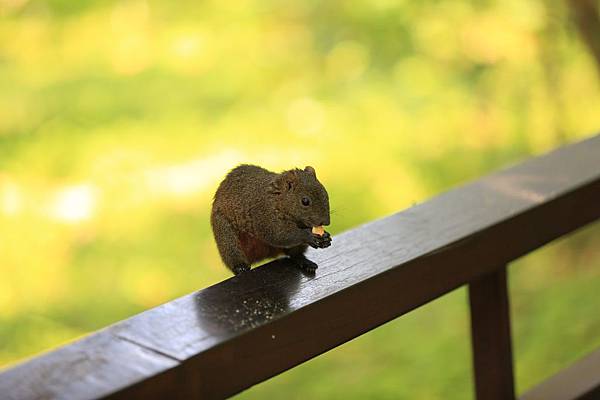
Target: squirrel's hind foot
<point x="305" y="264"/>
<point x="239" y="268"/>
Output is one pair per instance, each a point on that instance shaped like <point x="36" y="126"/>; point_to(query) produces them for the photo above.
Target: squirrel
<point x="258" y="214"/>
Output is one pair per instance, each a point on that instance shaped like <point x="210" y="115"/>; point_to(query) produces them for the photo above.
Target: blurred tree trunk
<point x="552" y="60"/>
<point x="586" y="16"/>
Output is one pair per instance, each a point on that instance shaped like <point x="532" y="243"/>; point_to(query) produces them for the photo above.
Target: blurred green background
<point x="119" y="118"/>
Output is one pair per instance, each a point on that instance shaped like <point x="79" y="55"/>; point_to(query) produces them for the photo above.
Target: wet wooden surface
<point x="225" y="338"/>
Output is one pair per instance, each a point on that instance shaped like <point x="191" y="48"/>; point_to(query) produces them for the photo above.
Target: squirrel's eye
<point x="305" y="201"/>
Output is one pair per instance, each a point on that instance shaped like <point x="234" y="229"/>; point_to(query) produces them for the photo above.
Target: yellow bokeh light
<point x="347" y="60"/>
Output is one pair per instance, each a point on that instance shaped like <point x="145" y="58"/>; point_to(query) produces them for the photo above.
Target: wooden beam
<point x="230" y="336"/>
<point x="580" y="381"/>
<point x="490" y="337"/>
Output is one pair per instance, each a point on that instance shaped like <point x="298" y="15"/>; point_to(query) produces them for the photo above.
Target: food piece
<point x="318" y="230"/>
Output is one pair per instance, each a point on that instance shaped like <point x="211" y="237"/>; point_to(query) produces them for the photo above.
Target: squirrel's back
<point x="243" y="188"/>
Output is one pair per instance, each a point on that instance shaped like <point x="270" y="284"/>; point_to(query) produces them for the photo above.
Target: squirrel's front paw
<point x="320" y="242"/>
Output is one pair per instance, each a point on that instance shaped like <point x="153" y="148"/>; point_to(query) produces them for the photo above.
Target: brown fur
<point x="255" y="249"/>
<point x="258" y="214"/>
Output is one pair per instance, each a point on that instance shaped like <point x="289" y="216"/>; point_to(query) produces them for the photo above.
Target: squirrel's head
<point x="301" y="197"/>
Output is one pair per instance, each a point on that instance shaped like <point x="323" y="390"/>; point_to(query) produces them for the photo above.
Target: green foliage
<point x="119" y="118"/>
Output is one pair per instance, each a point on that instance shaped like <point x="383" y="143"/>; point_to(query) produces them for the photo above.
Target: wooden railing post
<point x="490" y="337"/>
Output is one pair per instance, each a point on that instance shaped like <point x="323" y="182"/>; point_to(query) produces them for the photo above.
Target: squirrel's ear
<point x="285" y="181"/>
<point x="274" y="188"/>
<point x="310" y="170"/>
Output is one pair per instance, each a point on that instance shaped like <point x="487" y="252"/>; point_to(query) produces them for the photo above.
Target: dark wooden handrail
<point x="230" y="336"/>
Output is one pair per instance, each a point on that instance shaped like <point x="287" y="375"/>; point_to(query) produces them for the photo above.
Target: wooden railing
<point x="225" y="338"/>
